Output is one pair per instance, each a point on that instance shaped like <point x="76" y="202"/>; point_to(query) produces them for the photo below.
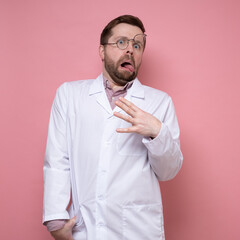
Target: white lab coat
<point x="113" y="176"/>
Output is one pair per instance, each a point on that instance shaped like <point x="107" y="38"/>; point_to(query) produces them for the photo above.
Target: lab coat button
<point x="100" y="224"/>
<point x="100" y="197"/>
<point x="103" y="171"/>
<point x="107" y="143"/>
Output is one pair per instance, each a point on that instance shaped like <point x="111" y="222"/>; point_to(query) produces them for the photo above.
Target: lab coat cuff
<point x="152" y="144"/>
<point x="147" y="140"/>
<point x="59" y="216"/>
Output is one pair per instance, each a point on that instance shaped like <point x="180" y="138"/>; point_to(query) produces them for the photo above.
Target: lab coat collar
<point x="97" y="87"/>
<point x="136" y="90"/>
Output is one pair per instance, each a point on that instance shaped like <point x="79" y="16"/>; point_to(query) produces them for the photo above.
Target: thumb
<point x="72" y="222"/>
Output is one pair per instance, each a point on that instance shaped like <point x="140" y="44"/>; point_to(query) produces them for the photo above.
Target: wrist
<point x="157" y="130"/>
<point x="55" y="225"/>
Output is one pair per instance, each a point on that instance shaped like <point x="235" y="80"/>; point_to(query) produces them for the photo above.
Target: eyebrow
<point x="121" y="37"/>
<point x="124" y="37"/>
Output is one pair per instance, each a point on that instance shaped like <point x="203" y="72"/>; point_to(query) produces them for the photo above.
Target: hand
<point x="142" y="122"/>
<point x="65" y="233"/>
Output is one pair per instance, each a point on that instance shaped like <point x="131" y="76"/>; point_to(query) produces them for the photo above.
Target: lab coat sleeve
<point x="164" y="154"/>
<point x="56" y="164"/>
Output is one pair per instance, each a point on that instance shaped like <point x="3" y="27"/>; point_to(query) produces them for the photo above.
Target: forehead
<point x="125" y="30"/>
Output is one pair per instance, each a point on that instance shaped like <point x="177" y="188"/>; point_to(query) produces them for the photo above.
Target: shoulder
<point x="156" y="95"/>
<point x="76" y="84"/>
<point x="156" y="101"/>
<point x="153" y="91"/>
<point x="72" y="87"/>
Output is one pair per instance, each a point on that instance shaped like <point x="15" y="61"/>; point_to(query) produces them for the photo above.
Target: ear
<point x="101" y="52"/>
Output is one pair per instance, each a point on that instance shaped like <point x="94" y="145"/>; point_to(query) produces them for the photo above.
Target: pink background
<point x="193" y="53"/>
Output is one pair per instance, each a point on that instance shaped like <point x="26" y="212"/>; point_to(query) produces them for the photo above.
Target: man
<point x="110" y="140"/>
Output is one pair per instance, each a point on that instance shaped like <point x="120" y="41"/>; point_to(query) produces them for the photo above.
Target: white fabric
<point x="114" y="176"/>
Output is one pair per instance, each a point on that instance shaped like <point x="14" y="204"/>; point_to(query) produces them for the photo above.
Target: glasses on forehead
<point x="123" y="42"/>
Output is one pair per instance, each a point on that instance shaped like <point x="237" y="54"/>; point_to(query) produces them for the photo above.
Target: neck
<point x="115" y="87"/>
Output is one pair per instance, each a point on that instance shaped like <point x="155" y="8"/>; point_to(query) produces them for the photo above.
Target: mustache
<point x="127" y="58"/>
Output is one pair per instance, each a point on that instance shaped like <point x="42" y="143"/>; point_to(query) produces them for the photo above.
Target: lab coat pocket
<point x="143" y="222"/>
<point x="79" y="225"/>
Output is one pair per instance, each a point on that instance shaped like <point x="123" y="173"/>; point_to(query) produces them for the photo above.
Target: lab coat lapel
<point x="98" y="90"/>
<point x="135" y="93"/>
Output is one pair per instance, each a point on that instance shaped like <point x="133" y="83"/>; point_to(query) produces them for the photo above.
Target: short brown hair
<point x="129" y="19"/>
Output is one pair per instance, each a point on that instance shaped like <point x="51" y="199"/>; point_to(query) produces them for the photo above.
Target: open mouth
<point x="127" y="66"/>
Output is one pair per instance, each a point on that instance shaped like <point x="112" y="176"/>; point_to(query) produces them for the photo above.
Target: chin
<point x="127" y="76"/>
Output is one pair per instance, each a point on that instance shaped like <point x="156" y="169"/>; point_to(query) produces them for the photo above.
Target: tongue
<point x="129" y="67"/>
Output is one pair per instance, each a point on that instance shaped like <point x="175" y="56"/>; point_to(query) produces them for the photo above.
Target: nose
<point x="130" y="47"/>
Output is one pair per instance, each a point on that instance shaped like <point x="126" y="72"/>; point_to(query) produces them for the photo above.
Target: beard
<point x="120" y="77"/>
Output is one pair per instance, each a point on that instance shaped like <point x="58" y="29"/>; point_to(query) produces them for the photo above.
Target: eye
<point x="121" y="42"/>
<point x="137" y="46"/>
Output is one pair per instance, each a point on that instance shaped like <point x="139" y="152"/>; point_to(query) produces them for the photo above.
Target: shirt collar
<point x="97" y="86"/>
<point x="123" y="89"/>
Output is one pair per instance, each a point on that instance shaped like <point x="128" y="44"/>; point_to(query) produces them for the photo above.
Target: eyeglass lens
<point x="138" y="39"/>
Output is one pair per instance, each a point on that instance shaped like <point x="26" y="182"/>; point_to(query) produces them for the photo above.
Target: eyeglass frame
<point x="128" y="40"/>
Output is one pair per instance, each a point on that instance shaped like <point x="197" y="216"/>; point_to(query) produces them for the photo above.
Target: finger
<point x="124" y="117"/>
<point x="125" y="108"/>
<point x="127" y="130"/>
<point x="129" y="104"/>
<point x="71" y="222"/>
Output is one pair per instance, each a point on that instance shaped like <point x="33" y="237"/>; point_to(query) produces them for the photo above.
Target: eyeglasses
<point x="138" y="42"/>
